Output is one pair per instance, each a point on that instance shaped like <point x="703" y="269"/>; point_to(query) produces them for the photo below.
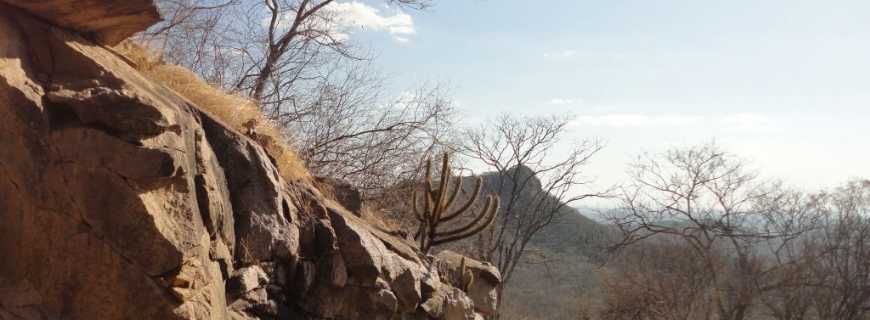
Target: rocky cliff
<point x="119" y="199"/>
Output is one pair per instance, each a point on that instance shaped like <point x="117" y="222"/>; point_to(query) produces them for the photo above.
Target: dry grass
<point x="236" y="111"/>
<point x="379" y="219"/>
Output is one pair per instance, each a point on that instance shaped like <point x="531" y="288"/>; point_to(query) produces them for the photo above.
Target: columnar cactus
<point x="436" y="203"/>
<point x="466" y="277"/>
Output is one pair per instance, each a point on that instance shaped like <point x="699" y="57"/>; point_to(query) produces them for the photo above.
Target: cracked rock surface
<point x="120" y="199"/>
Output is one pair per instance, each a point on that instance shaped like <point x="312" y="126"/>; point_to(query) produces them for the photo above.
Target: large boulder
<point x="120" y="199"/>
<point x="104" y="21"/>
<point x="481" y="279"/>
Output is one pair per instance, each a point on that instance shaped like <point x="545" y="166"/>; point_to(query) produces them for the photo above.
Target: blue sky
<point x="784" y="84"/>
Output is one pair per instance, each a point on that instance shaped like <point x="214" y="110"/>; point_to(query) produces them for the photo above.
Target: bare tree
<point x="785" y="285"/>
<point x="536" y="184"/>
<point x="841" y="268"/>
<point x="178" y="13"/>
<point x="201" y="35"/>
<point x="792" y="296"/>
<point x="310" y="26"/>
<point x="658" y="280"/>
<point x="349" y="131"/>
<point x="825" y="274"/>
<point x="267" y="49"/>
<point x="706" y="198"/>
<point x="293" y="58"/>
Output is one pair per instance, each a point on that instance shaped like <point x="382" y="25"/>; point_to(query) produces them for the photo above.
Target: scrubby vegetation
<point x="710" y="250"/>
<point x="236" y="111"/>
<point x="697" y="234"/>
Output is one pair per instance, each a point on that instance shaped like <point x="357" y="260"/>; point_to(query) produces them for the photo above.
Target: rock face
<point x="119" y="199"/>
<point x="346" y="195"/>
<point x="104" y="21"/>
<point x="482" y="279"/>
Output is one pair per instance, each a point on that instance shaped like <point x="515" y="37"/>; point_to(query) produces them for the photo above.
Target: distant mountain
<point x="560" y="260"/>
<point x="571" y="232"/>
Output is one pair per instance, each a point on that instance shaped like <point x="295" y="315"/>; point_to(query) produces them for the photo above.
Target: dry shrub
<point x="238" y="112"/>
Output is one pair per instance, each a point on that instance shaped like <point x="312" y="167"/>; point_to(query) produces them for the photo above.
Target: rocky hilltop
<point x="120" y="199"/>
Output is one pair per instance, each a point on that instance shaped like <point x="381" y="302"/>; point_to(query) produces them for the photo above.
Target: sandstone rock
<point x="120" y="199"/>
<point x="96" y="212"/>
<point x="483" y="289"/>
<point x="449" y="304"/>
<point x="108" y="21"/>
<point x="246" y="279"/>
<point x="458" y="306"/>
<point x="345" y="193"/>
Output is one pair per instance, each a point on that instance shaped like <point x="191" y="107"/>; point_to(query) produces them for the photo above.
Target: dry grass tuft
<point x="236" y="111"/>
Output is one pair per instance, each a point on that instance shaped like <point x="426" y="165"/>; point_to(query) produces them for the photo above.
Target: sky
<point x="784" y="84"/>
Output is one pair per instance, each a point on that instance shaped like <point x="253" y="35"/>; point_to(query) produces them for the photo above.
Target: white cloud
<point x="564" y="101"/>
<point x="341" y="19"/>
<point x="561" y="54"/>
<point x="348" y="16"/>
<point x="733" y="122"/>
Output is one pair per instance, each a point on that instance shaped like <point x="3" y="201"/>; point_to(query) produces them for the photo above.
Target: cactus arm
<point x="428" y="178"/>
<point x="441" y="203"/>
<point x="483" y="214"/>
<point x="469" y="203"/>
<point x="456" y="189"/>
<point x="436" y="204"/>
<point x="465" y="231"/>
<point x="419" y="232"/>
<point x="419" y="215"/>
<point x="429" y="199"/>
<point x="438" y="198"/>
<point x="462" y="273"/>
<point x="416" y="208"/>
<point x="429" y="213"/>
<point x="466" y="277"/>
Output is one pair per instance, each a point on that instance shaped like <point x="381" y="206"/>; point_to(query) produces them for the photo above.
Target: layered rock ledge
<point x="119" y="199"/>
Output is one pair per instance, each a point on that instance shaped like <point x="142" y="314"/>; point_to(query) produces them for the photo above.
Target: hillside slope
<point x="560" y="261"/>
